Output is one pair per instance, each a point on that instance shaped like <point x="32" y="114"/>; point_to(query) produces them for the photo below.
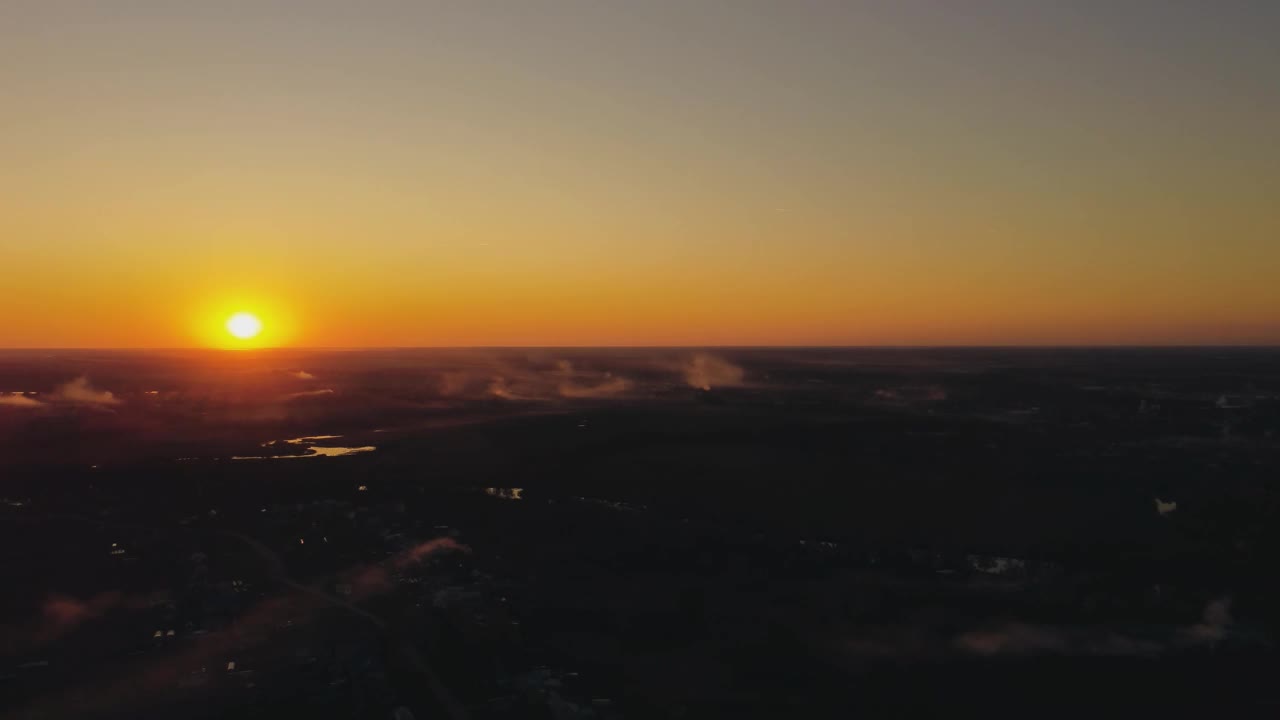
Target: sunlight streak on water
<point x="313" y="450"/>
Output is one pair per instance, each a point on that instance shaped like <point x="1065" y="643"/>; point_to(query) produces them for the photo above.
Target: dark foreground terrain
<point x="634" y="534"/>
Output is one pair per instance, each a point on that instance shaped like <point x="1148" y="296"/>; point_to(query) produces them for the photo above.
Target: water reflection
<point x="995" y="565"/>
<point x="313" y="450"/>
<point x="505" y="493"/>
<point x="614" y="504"/>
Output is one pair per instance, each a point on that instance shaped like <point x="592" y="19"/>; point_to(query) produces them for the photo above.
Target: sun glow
<point x="240" y="320"/>
<point x="244" y="326"/>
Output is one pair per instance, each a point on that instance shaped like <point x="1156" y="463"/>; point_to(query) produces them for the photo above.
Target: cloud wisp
<point x="704" y="372"/>
<point x="80" y="392"/>
<point x="20" y="401"/>
<point x="570" y="387"/>
<point x="309" y="393"/>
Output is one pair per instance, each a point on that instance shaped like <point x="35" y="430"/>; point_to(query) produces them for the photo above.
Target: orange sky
<point x="662" y="173"/>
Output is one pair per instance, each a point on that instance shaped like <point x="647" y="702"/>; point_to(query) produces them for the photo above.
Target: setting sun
<point x="244" y="325"/>
<point x="239" y="319"/>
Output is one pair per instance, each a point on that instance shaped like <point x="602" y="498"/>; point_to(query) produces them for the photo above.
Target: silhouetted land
<point x="639" y="533"/>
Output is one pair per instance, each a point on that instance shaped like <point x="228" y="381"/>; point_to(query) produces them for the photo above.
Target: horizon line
<point x="907" y="346"/>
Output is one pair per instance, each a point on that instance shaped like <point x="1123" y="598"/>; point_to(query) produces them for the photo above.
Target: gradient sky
<point x="584" y="173"/>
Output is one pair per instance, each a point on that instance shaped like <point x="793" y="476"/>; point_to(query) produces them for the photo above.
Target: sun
<point x="244" y="325"/>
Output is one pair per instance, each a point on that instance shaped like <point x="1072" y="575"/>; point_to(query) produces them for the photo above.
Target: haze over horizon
<point x="564" y="173"/>
<point x="710" y="347"/>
